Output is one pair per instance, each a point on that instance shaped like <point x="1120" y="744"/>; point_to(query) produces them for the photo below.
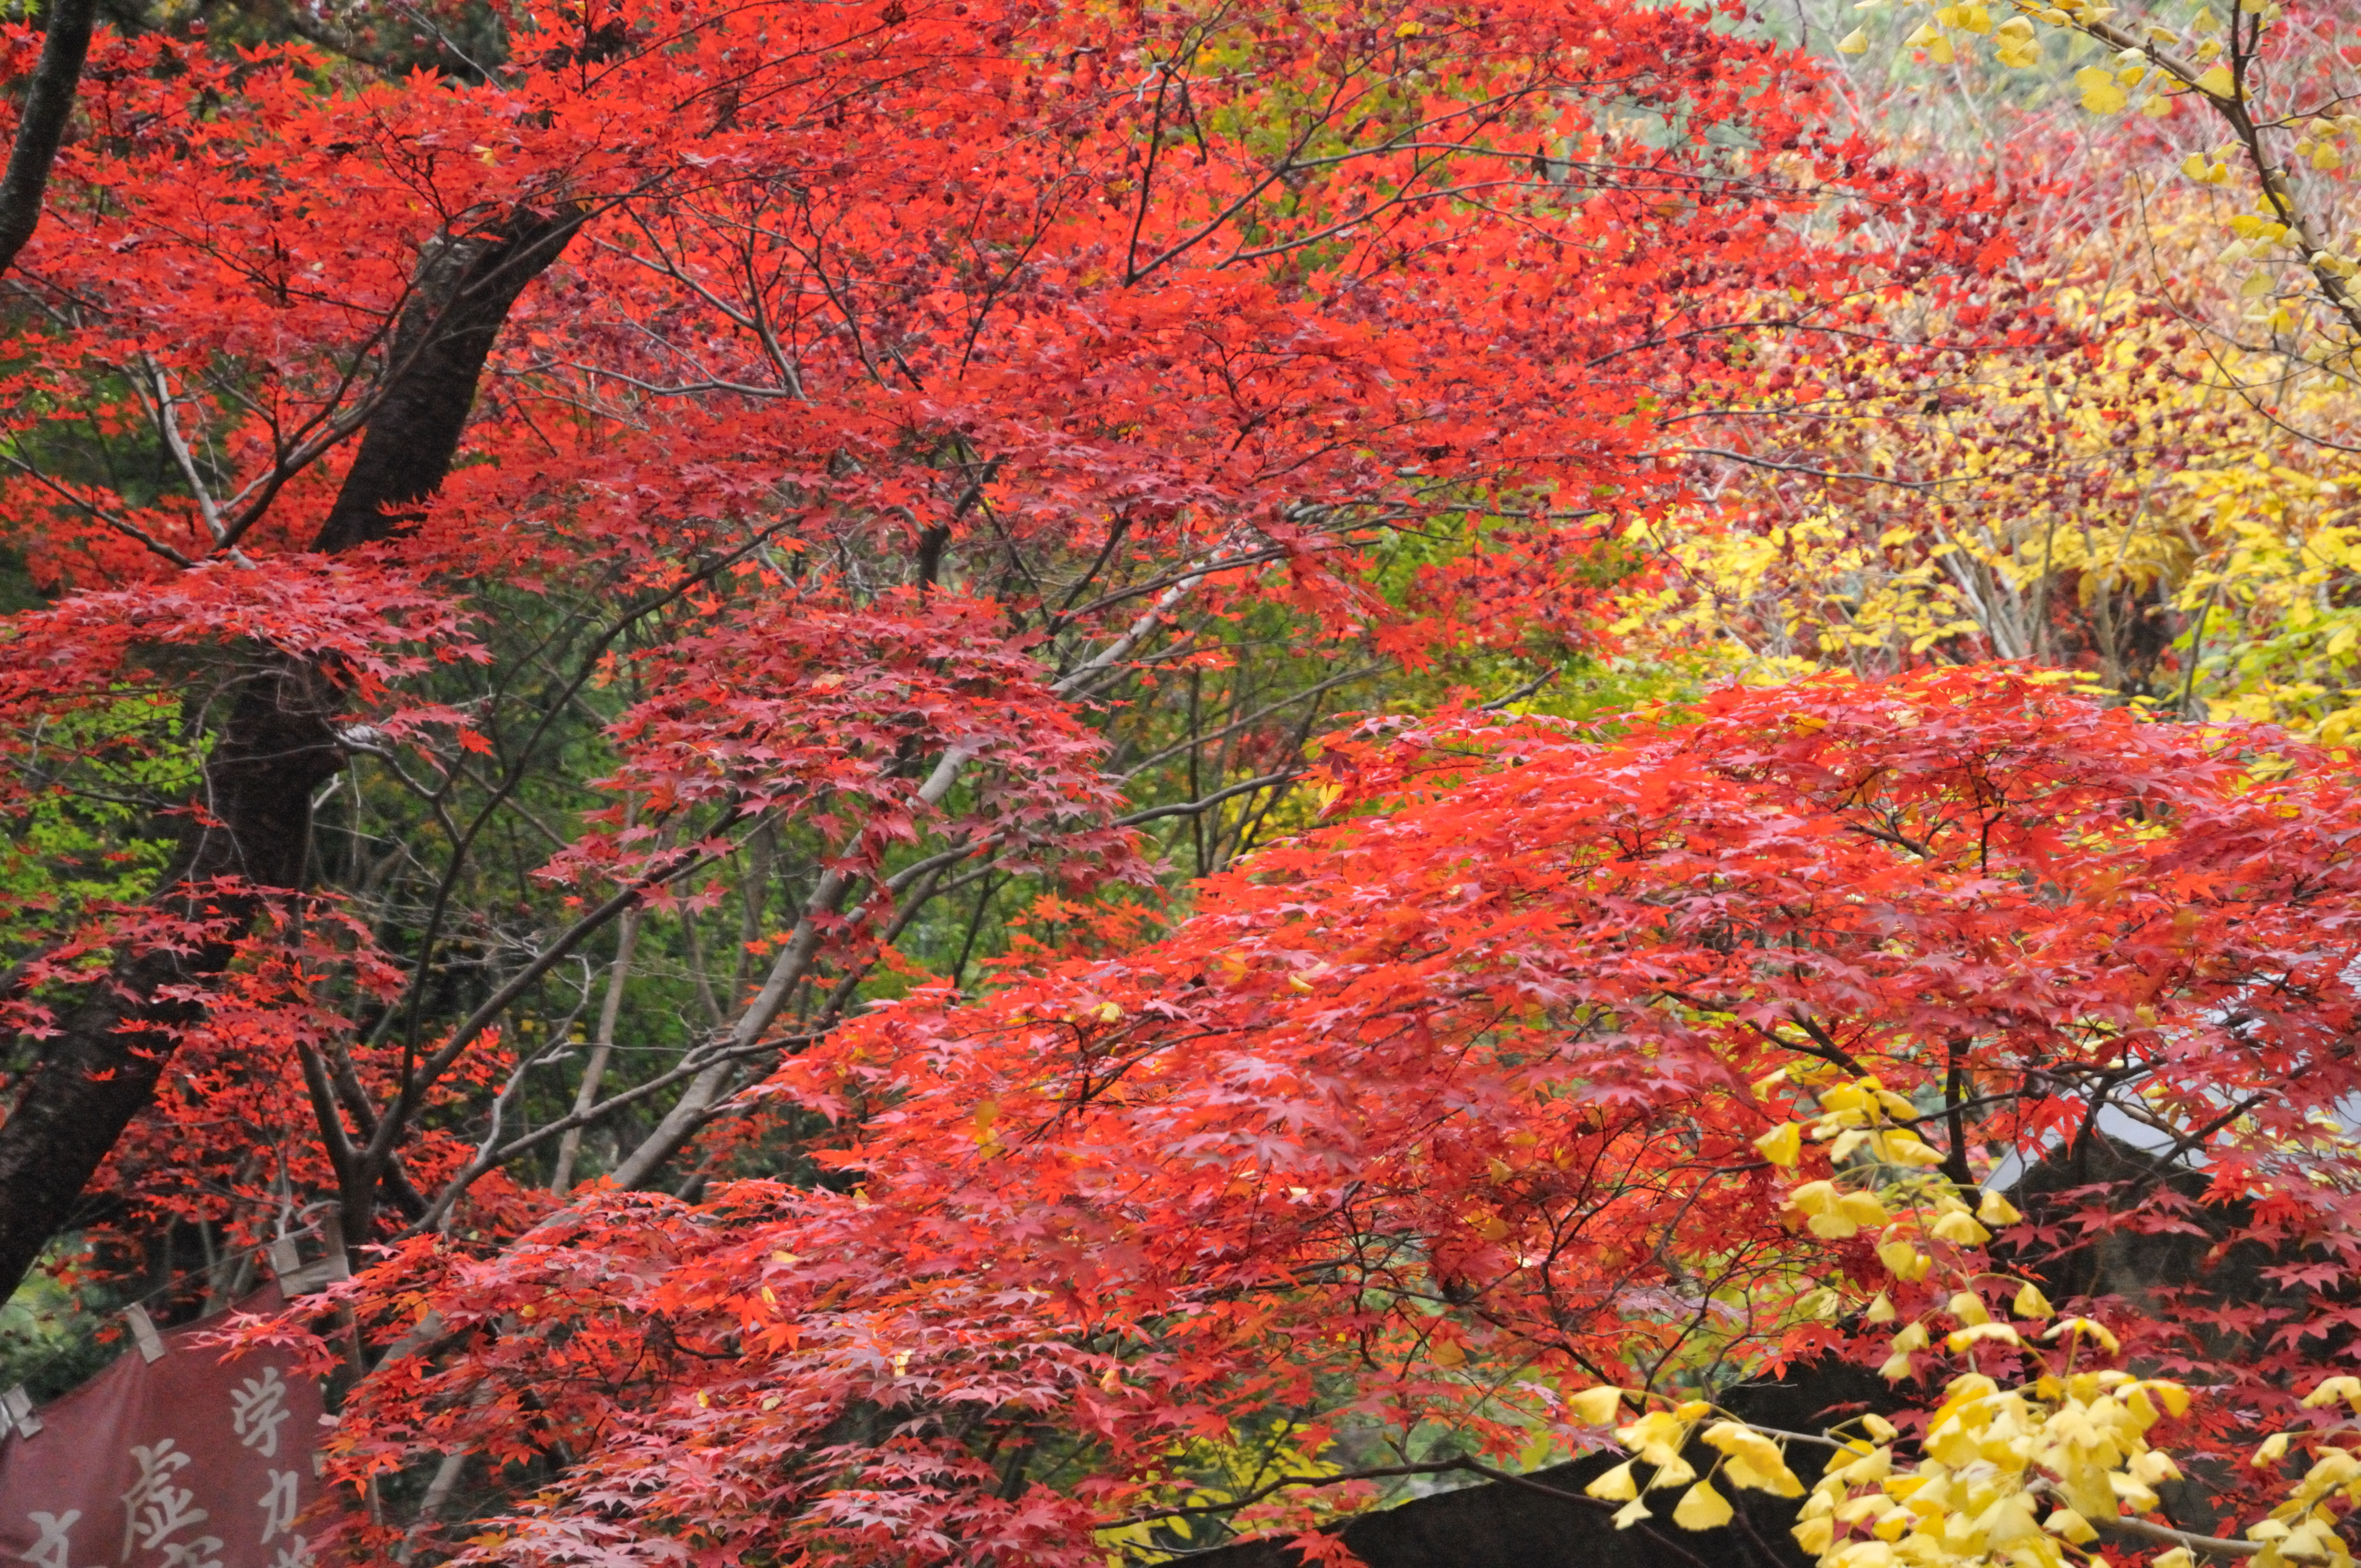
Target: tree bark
<point x="278" y="746"/>
<point x="467" y="286"/>
<point x="41" y="124"/>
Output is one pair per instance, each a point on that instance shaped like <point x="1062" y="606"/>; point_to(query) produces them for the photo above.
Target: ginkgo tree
<point x="2254" y="102"/>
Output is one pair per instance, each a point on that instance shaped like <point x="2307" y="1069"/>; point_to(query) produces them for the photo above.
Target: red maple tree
<point x="1436" y="1117"/>
<point x="818" y="458"/>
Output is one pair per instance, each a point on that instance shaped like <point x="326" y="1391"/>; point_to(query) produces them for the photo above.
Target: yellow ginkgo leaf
<point x="1975" y="1334"/>
<point x="1615" y="1487"/>
<point x="2218" y="82"/>
<point x="1597" y="1407"/>
<point x="1702" y="1508"/>
<point x="2086" y="1329"/>
<point x="1854" y="42"/>
<point x="2333" y="1390"/>
<point x="1905" y="1262"/>
<point x="1813" y="1196"/>
<point x="1905" y="1147"/>
<point x="1673" y="1471"/>
<point x="1862" y="1209"/>
<point x="1783" y="1145"/>
<point x="2106" y="98"/>
<point x="1961" y="1229"/>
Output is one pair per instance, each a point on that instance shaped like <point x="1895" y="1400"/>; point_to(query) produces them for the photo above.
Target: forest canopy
<point x="1002" y="781"/>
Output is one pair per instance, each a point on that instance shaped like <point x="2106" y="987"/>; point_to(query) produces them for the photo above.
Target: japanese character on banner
<point x="154" y="1508"/>
<point x="55" y="1549"/>
<point x="279" y="1505"/>
<point x="257" y="1409"/>
<point x="204" y="1457"/>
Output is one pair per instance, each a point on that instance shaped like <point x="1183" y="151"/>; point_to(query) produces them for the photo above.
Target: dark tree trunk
<point x="467" y="287"/>
<point x="277" y="747"/>
<point x="42" y="127"/>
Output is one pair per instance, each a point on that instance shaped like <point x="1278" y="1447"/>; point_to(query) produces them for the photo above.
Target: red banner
<point x="189" y="1461"/>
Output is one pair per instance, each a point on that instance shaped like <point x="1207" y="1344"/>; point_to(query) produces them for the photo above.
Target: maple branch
<point x="624" y="1099"/>
<point x="97" y="513"/>
<point x="2165" y="1535"/>
<point x="1403" y="198"/>
<point x="418" y="1078"/>
<point x="704" y="1097"/>
<point x="170" y="429"/>
<point x="1810" y="470"/>
<point x="1222" y="560"/>
<point x="585" y="669"/>
<point x="487" y="1150"/>
<point x="754" y="320"/>
<point x="795" y="960"/>
<point x="415" y="1083"/>
<point x="432" y="1215"/>
<point x="602" y="1047"/>
<point x="1479" y="114"/>
<point x="338" y="1144"/>
<point x="1258" y="715"/>
<point x="1133" y="272"/>
<point x="40" y="126"/>
<point x="1206" y="803"/>
<point x="99" y="1069"/>
<point x="1510" y="698"/>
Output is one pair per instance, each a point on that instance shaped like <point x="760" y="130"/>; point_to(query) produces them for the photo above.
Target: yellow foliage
<point x="2127" y="511"/>
<point x="2028" y="1475"/>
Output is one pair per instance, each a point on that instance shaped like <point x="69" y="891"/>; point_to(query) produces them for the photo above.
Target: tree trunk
<point x="41" y="124"/>
<point x="99" y="1067"/>
<point x="467" y="286"/>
